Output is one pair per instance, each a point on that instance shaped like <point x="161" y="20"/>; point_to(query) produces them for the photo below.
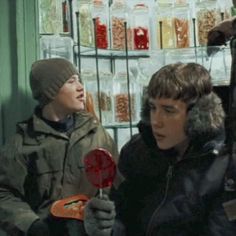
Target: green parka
<point x="41" y="165"/>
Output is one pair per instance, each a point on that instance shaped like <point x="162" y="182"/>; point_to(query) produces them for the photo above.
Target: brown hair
<point x="186" y="82"/>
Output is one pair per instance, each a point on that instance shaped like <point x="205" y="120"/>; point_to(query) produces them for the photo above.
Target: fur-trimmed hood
<point x="205" y="118"/>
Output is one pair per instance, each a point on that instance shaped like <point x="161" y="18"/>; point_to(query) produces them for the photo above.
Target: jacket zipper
<point x="168" y="178"/>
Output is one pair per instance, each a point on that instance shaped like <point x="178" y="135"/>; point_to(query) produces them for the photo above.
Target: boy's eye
<point x="73" y="80"/>
<point x="70" y="81"/>
<point x="169" y="110"/>
<point x="151" y="106"/>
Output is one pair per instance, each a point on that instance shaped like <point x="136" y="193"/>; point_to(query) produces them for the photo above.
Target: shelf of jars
<point x="133" y="40"/>
<point x="219" y="64"/>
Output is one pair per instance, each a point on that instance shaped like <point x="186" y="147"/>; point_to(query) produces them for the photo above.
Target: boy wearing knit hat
<point x="43" y="162"/>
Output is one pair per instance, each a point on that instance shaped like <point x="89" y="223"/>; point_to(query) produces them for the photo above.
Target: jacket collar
<point x="35" y="129"/>
<point x="198" y="147"/>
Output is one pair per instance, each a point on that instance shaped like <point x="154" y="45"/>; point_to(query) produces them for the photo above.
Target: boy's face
<point x="168" y="118"/>
<point x="70" y="97"/>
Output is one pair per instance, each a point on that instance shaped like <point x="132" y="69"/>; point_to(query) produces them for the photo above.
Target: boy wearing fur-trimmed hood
<point x="174" y="170"/>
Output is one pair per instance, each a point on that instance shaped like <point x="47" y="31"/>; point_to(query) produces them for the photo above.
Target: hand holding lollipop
<point x="100" y="169"/>
<point x="99" y="213"/>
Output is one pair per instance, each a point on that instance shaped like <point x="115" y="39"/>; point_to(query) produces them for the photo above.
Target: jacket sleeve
<point x="15" y="214"/>
<point x="218" y="222"/>
<point x="222" y="214"/>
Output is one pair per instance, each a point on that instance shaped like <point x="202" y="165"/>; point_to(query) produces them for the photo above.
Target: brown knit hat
<point x="47" y="76"/>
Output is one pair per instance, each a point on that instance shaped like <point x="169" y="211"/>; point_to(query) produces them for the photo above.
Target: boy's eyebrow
<point x="150" y="103"/>
<point x="169" y="107"/>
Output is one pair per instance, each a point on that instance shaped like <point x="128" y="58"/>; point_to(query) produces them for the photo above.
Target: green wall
<point x="18" y="49"/>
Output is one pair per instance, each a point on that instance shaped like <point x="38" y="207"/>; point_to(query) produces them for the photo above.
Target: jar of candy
<point x="106" y="101"/>
<point x="141" y="27"/>
<point x="50" y="17"/>
<point x="208" y="15"/>
<point x="182" y="26"/>
<point x="126" y="98"/>
<point x="100" y="15"/>
<point x="86" y="23"/>
<point x="165" y="26"/>
<point x="118" y="16"/>
<point x="103" y="104"/>
<point x="88" y="78"/>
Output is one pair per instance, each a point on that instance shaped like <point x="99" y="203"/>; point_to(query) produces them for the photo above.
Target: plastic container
<point x="86" y="23"/>
<point x="182" y="26"/>
<point x="122" y="113"/>
<point x="165" y="26"/>
<point x="208" y="15"/>
<point x="100" y="14"/>
<point x="141" y="27"/>
<point x="118" y="16"/>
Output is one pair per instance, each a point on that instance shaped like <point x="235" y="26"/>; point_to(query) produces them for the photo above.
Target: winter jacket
<point x="163" y="196"/>
<point x="41" y="165"/>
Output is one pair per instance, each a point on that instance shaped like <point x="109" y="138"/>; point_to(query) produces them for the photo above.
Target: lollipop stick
<point x="100" y="192"/>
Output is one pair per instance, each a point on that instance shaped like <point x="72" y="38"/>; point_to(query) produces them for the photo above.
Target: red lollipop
<point x="100" y="168"/>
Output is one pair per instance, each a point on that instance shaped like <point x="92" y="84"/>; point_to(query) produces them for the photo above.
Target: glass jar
<point x="104" y="106"/>
<point x="233" y="8"/>
<point x="106" y="101"/>
<point x="182" y="26"/>
<point x="165" y="27"/>
<point x="100" y="14"/>
<point x="141" y="27"/>
<point x="65" y="16"/>
<point x="226" y="9"/>
<point x="208" y="15"/>
<point x="119" y="15"/>
<point x="50" y="17"/>
<point x="185" y="55"/>
<point x="86" y="23"/>
<point x="219" y="66"/>
<point x="56" y="46"/>
<point x="121" y="98"/>
<point x="88" y="78"/>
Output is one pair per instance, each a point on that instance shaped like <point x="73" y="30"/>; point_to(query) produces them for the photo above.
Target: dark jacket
<point x="41" y="165"/>
<point x="165" y="197"/>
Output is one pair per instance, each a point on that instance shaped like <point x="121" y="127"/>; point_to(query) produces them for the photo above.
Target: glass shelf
<point x="109" y="53"/>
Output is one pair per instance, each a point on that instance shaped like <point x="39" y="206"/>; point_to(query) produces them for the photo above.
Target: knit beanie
<point x="47" y="76"/>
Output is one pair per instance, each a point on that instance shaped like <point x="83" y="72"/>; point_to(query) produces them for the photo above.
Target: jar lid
<point x="140" y="6"/>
